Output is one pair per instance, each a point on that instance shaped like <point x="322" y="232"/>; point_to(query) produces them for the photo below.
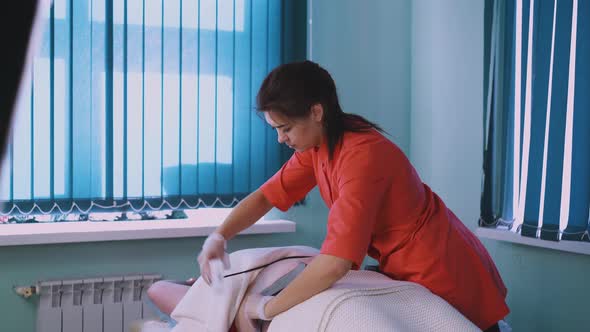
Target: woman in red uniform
<point x="378" y="204"/>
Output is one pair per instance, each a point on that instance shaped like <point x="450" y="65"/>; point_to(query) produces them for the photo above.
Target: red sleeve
<point x="362" y="182"/>
<point x="292" y="182"/>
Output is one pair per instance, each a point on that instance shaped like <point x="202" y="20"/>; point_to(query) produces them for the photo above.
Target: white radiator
<point x="105" y="304"/>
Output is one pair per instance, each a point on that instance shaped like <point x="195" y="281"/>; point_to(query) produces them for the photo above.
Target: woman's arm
<point x="320" y="274"/>
<point x="246" y="213"/>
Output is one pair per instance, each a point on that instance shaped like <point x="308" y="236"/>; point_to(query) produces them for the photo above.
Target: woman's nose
<point x="281" y="138"/>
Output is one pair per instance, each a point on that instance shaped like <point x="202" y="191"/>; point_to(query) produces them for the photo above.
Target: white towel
<point x="203" y="309"/>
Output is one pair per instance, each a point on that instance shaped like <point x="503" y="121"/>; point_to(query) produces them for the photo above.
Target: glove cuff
<point x="216" y="237"/>
<point x="260" y="310"/>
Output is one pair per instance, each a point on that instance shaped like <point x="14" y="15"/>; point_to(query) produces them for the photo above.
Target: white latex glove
<point x="255" y="305"/>
<point x="213" y="248"/>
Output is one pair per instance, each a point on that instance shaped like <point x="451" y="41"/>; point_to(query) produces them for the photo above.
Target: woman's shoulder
<point x="372" y="146"/>
<point x="370" y="139"/>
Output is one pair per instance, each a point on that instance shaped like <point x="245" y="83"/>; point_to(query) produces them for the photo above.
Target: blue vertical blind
<point x="148" y="104"/>
<point x="537" y="149"/>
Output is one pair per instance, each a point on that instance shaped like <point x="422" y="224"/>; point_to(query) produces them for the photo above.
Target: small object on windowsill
<point x="28" y="220"/>
<point x="177" y="214"/>
<point x="147" y="216"/>
<point x="122" y="217"/>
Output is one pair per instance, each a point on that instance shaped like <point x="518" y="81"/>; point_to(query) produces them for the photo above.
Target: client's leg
<point x="166" y="294"/>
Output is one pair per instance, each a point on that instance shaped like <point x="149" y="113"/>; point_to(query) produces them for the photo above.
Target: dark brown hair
<point x="292" y="89"/>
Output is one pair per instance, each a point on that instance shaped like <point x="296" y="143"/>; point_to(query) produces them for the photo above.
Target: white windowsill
<point x="577" y="247"/>
<point x="198" y="224"/>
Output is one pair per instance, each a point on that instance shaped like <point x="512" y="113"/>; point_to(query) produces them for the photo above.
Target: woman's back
<point x="414" y="236"/>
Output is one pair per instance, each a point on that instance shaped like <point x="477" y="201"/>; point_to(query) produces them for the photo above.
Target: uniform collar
<point x="322" y="150"/>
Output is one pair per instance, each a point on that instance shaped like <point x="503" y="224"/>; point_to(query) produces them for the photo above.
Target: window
<point x="143" y="105"/>
<point x="537" y="157"/>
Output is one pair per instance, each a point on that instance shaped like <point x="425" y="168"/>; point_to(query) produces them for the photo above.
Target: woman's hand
<point x="255" y="305"/>
<point x="213" y="248"/>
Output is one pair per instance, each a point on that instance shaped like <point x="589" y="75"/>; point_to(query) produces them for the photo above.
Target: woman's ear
<point x="317" y="112"/>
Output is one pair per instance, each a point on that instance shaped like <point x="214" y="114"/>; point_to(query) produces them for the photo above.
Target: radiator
<point x="104" y="304"/>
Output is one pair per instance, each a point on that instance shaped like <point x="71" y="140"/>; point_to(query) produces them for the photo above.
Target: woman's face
<point x="299" y="134"/>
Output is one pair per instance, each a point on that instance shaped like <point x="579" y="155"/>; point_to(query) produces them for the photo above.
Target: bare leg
<point x="166" y="295"/>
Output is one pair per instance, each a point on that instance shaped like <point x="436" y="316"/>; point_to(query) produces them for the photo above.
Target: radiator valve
<point x="26" y="291"/>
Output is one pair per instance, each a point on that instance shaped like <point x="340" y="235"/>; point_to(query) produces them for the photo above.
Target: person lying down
<point x="358" y="300"/>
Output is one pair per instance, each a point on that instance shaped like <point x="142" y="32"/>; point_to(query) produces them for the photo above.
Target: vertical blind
<point x="148" y="104"/>
<point x="537" y="147"/>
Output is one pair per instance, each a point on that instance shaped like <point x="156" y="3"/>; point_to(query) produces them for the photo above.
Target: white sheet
<point x="369" y="301"/>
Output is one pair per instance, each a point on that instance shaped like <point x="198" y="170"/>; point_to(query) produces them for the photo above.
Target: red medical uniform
<point x="380" y="207"/>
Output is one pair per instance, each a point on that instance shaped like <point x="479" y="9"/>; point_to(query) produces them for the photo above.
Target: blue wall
<point x="446" y="114"/>
<point x="365" y="45"/>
